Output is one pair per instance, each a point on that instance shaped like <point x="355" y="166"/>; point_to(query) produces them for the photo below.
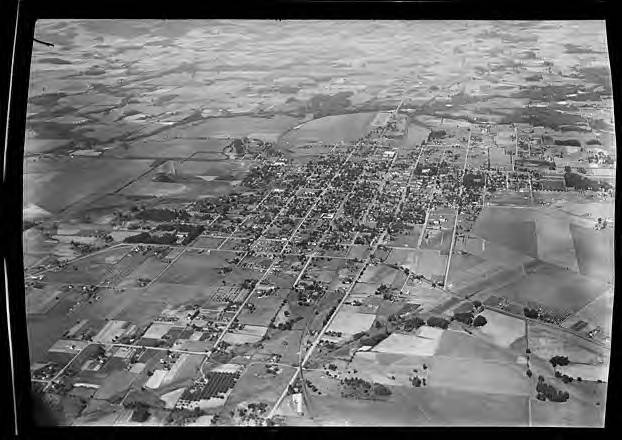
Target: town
<point x="303" y="237"/>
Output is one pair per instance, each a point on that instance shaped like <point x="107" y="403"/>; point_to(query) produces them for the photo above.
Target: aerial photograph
<point x="320" y="223"/>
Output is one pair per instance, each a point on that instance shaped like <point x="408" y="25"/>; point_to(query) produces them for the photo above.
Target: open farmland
<point x="594" y="250"/>
<point x="88" y="179"/>
<point x="327" y="130"/>
<point x="554" y="287"/>
<point x="477" y="375"/>
<point x="409" y="344"/>
<point x="502" y="329"/>
<point x="424" y="407"/>
<point x="546" y="342"/>
<point x="459" y="345"/>
<point x="351" y="323"/>
<point x="506" y="227"/>
<point x="201" y="270"/>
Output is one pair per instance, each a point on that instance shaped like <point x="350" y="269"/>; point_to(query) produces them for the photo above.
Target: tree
<point x="465" y="318"/>
<point x="435" y="321"/>
<point x="479" y="321"/>
<point x="381" y="390"/>
<point x="141" y="413"/>
<point x="559" y="360"/>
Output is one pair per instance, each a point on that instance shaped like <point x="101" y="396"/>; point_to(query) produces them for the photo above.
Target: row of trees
<point x="162" y="215"/>
<point x="361" y="389"/>
<point x="146" y="237"/>
<point x="435" y="321"/>
<point x="559" y="360"/>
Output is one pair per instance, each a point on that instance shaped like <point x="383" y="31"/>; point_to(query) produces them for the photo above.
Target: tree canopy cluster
<point x="559" y="360"/>
<point x="435" y="321"/>
<point x="548" y="391"/>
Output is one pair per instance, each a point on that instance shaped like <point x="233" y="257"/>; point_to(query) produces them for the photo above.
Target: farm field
<point x="201" y="270"/>
<point x="328" y="130"/>
<point x="495" y="224"/>
<point x="410" y="344"/>
<point x="351" y="322"/>
<point x="88" y="178"/>
<point x="554" y="287"/>
<point x="502" y="329"/>
<point x="598" y="313"/>
<point x="459" y="345"/>
<point x="546" y="342"/>
<point x="594" y="250"/>
<point x="424" y="407"/>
